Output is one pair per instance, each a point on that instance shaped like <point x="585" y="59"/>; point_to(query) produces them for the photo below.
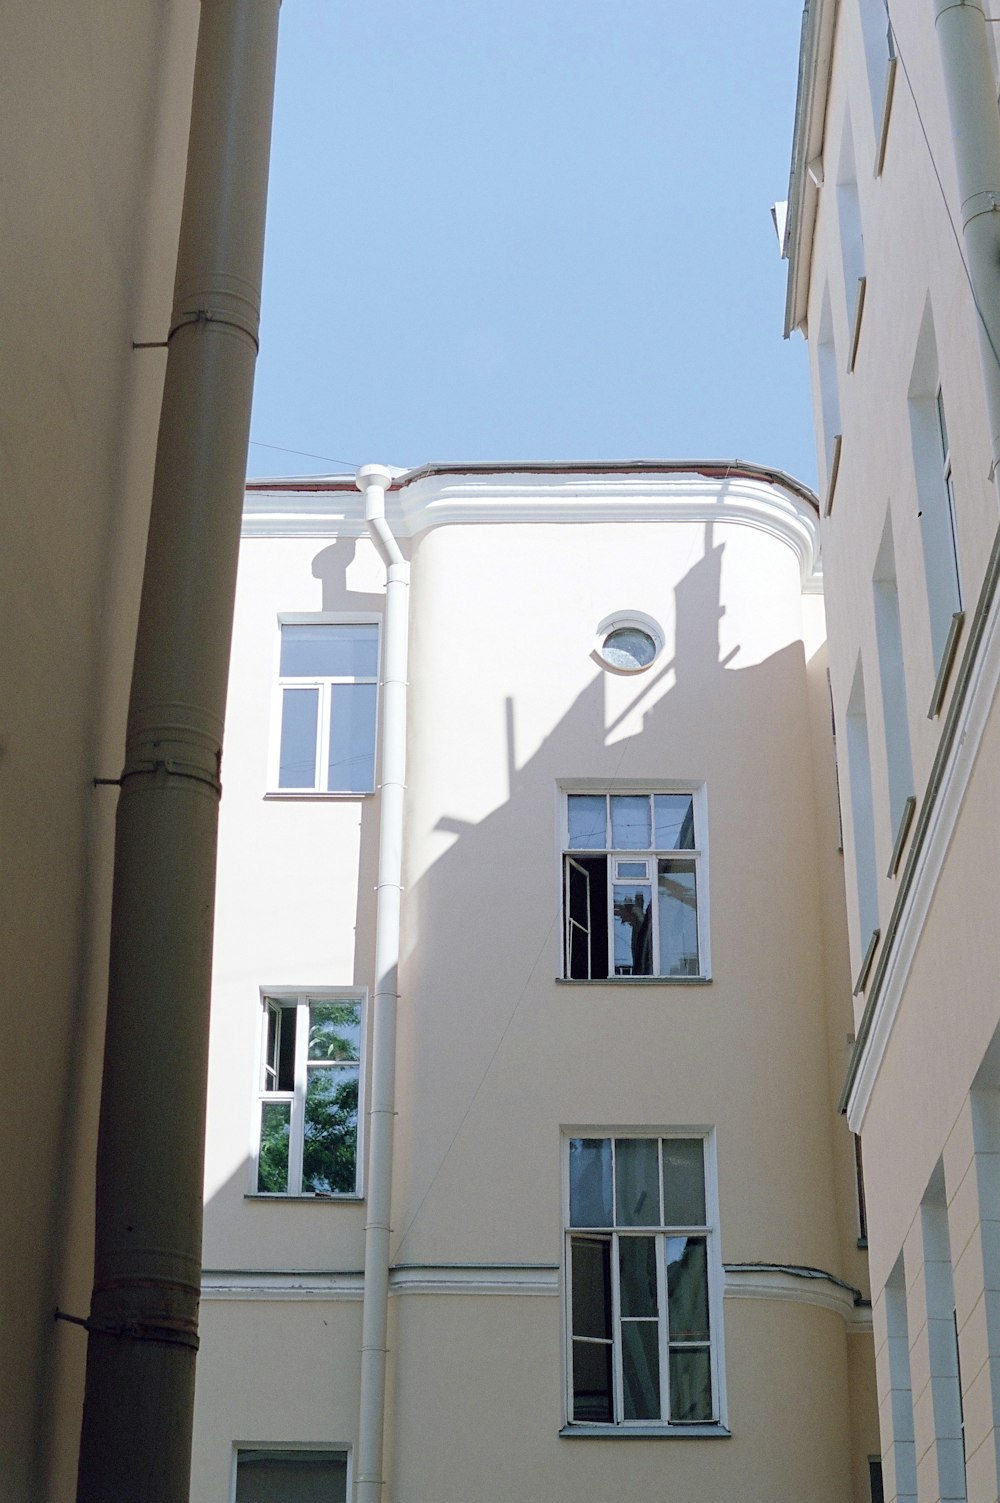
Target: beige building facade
<point x="621" y="1253"/>
<point x="893" y="252"/>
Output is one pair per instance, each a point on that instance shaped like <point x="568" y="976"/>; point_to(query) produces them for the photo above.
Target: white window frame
<point x="699" y="856"/>
<point x="323" y="684"/>
<point x="296" y="1448"/>
<point x="619" y="1426"/>
<point x="298" y="999"/>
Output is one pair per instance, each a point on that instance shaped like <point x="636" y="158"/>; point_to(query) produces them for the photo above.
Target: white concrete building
<point x="894" y="277"/>
<point x="612" y="1245"/>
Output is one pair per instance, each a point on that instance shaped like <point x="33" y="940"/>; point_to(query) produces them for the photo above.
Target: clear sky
<point x="529" y="229"/>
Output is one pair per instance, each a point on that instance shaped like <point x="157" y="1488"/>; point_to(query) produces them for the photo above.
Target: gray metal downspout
<point x="373" y="480"/>
<point x="143" y="1325"/>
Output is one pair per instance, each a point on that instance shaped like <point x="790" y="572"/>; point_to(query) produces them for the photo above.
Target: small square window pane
<point x="272" y="1160"/>
<point x="592" y="1382"/>
<point x="677" y="900"/>
<point x="637" y="1277"/>
<point x="687" y="1289"/>
<point x="587" y="816"/>
<point x="297" y="756"/>
<point x="683" y="1182"/>
<point x="591" y="1288"/>
<point x="329" y="650"/>
<point x="351" y="766"/>
<point x="690" y="1386"/>
<point x="335" y="1031"/>
<point x="641" y="1369"/>
<point x="674" y="813"/>
<point x="637" y="1182"/>
<point x="590" y="1182"/>
<point x="330" y="1146"/>
<point x="633" y="929"/>
<point x="631" y="828"/>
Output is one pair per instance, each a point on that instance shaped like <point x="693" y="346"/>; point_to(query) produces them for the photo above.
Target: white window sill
<point x="633" y="980"/>
<point x="645" y="1432"/>
<point x="314" y="795"/>
<point x="314" y="1200"/>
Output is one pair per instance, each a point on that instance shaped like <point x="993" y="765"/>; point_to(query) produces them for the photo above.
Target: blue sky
<point x="515" y="230"/>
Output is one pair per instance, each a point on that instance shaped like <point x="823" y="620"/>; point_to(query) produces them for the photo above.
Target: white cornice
<point x="801" y="1286"/>
<point x="815" y="61"/>
<point x="968" y="733"/>
<point x="568" y="497"/>
<point x="742" y="1281"/>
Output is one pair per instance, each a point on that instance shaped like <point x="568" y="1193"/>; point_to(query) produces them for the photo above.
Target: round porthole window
<point x="627" y="643"/>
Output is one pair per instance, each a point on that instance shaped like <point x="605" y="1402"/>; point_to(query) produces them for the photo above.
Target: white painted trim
<point x="467" y="1278"/>
<point x="519" y="1279"/>
<point x="969" y="731"/>
<point x="566" y="498"/>
<point x="812" y="1288"/>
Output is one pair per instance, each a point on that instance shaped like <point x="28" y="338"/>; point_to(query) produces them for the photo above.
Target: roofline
<point x="711" y="469"/>
<point x="815" y="58"/>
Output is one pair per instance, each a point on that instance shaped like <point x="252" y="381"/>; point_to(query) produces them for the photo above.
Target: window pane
<point x="683" y="1182"/>
<point x="678" y="913"/>
<point x="633" y="929"/>
<point x="272" y="1162"/>
<point x="637" y="1182"/>
<point x="628" y="647"/>
<point x="325" y="650"/>
<point x="690" y="1385"/>
<point x="590" y="1182"/>
<point x="351" y="767"/>
<point x="592" y="1382"/>
<point x="335" y="1030"/>
<point x="297" y="757"/>
<point x="329" y="1151"/>
<point x="640" y="1370"/>
<point x="674" y="813"/>
<point x="291" y="1477"/>
<point x="631" y="829"/>
<point x="591" y="1288"/>
<point x="587" y="818"/>
<point x="637" y="1276"/>
<point x="687" y="1289"/>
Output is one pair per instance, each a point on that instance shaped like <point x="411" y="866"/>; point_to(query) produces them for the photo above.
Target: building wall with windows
<point x="97" y="102"/>
<point x="625" y="1237"/>
<point x="902" y="396"/>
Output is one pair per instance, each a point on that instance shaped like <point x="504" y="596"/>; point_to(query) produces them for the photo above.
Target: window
<point x="628" y="642"/>
<point x="632" y="882"/>
<point x="641" y="1272"/>
<point x="328" y="683"/>
<point x="310" y="1079"/>
<point x="936" y="507"/>
<point x="283" y="1476"/>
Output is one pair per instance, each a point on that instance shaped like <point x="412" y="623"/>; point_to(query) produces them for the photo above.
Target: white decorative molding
<point x="328" y="508"/>
<point x="801" y="1286"/>
<point x="414" y="1278"/>
<point x="475" y="1278"/>
<point x="742" y="1281"/>
<point x="968" y="734"/>
<point x="250" y="1285"/>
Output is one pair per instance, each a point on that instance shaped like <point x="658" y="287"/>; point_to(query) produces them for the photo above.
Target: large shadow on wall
<point x="483" y="924"/>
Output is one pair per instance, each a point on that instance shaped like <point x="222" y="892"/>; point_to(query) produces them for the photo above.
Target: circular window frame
<point x="617" y="621"/>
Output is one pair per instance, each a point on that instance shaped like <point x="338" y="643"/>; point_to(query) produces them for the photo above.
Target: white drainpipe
<point x="966" y="53"/>
<point x="373" y="481"/>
